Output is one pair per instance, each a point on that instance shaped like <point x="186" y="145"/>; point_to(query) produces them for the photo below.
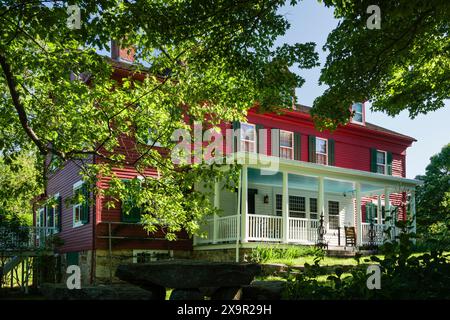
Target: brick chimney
<point x="122" y="54"/>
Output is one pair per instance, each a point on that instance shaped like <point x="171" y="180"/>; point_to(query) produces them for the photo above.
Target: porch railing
<point x="302" y="230"/>
<point x="379" y="233"/>
<point x="28" y="237"/>
<point x="264" y="228"/>
<point x="226" y="230"/>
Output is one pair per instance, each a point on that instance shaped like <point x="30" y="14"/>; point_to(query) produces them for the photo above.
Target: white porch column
<point x="358" y="214"/>
<point x="387" y="209"/>
<point x="412" y="206"/>
<point x="321" y="198"/>
<point x="379" y="211"/>
<point x="244" y="204"/>
<point x="285" y="208"/>
<point x="216" y="205"/>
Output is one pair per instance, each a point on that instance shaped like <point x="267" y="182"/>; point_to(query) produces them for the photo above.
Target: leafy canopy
<point x="433" y="199"/>
<point x="404" y="65"/>
<point x="194" y="58"/>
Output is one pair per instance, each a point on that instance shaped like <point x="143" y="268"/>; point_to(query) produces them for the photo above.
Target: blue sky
<point x="311" y="21"/>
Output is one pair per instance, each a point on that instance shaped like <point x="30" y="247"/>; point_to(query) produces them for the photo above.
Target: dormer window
<point x="248" y="137"/>
<point x="358" y="113"/>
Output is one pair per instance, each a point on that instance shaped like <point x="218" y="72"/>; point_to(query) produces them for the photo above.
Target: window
<point x="248" y="137"/>
<point x="286" y="144"/>
<point x="358" y="115"/>
<point x="53" y="215"/>
<point x="321" y="151"/>
<point x="297" y="207"/>
<point x="313" y="208"/>
<point x="333" y="214"/>
<point x="381" y="162"/>
<point x="279" y="204"/>
<point x="80" y="208"/>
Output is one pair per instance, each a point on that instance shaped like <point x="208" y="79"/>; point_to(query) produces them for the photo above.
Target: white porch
<point x="284" y="206"/>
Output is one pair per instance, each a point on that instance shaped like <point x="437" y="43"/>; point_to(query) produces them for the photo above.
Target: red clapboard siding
<point x="62" y="181"/>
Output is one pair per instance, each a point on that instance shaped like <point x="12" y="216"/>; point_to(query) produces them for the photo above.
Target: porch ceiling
<point x="265" y="177"/>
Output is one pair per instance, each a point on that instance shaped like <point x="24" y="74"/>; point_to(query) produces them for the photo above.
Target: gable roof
<point x="368" y="125"/>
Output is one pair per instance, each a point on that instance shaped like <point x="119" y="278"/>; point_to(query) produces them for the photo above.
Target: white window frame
<point x="246" y="140"/>
<point x="79" y="223"/>
<point x="334" y="215"/>
<point x="55" y="215"/>
<point x="363" y="122"/>
<point x="287" y="148"/>
<point x="326" y="150"/>
<point x="385" y="161"/>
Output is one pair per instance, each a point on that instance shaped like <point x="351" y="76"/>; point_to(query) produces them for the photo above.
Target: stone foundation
<point x="222" y="255"/>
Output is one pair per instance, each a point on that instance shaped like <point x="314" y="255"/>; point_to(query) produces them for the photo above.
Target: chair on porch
<point x="350" y="236"/>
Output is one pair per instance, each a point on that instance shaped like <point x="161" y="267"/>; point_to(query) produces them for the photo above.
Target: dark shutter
<point x="312" y="148"/>
<point x="389" y="162"/>
<point x="128" y="211"/>
<point x="275" y="141"/>
<point x="373" y="160"/>
<point x="236" y="139"/>
<point x="85" y="207"/>
<point x="261" y="139"/>
<point x="50" y="216"/>
<point x="58" y="224"/>
<point x="297" y="146"/>
<point x="331" y="152"/>
<point x="72" y="258"/>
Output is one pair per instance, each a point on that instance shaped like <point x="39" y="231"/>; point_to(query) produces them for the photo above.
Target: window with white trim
<point x="77" y="208"/>
<point x="297" y="206"/>
<point x="358" y="113"/>
<point x="40" y="217"/>
<point x="381" y="161"/>
<point x="248" y="137"/>
<point x="333" y="214"/>
<point x="286" y="144"/>
<point x="313" y="208"/>
<point x="321" y="151"/>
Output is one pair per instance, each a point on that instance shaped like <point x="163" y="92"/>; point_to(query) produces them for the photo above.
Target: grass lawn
<point x="327" y="261"/>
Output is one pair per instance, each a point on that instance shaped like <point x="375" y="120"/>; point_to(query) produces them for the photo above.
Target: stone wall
<point x="221" y="255"/>
<point x="104" y="263"/>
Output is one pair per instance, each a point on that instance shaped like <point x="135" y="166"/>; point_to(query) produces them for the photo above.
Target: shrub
<point x="264" y="254"/>
<point x="403" y="276"/>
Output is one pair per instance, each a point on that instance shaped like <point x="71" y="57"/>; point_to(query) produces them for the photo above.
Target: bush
<point x="265" y="254"/>
<point x="403" y="276"/>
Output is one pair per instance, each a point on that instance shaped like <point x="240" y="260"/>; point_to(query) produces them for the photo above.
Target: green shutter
<point x="128" y="211"/>
<point x="389" y="162"/>
<point x="312" y="148"/>
<point x="72" y="258"/>
<point x="235" y="140"/>
<point x="297" y="146"/>
<point x="260" y="141"/>
<point x="85" y="207"/>
<point x="58" y="224"/>
<point x="373" y="160"/>
<point x="275" y="142"/>
<point x="331" y="152"/>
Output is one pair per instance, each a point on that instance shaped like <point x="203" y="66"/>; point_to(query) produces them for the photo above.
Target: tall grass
<point x="264" y="254"/>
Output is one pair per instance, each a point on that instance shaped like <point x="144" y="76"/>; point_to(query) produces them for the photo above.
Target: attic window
<point x="358" y="113"/>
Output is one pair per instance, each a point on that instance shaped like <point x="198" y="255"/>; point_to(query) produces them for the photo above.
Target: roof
<point x="368" y="125"/>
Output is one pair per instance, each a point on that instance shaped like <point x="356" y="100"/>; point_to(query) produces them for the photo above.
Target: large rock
<point x="101" y="292"/>
<point x="186" y="274"/>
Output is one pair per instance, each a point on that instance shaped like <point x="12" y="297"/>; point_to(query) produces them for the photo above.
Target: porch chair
<point x="350" y="236"/>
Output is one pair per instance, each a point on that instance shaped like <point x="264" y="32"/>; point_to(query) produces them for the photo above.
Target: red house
<point x="294" y="181"/>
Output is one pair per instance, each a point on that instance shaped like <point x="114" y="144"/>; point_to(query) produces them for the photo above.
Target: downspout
<point x="238" y="217"/>
<point x="94" y="223"/>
